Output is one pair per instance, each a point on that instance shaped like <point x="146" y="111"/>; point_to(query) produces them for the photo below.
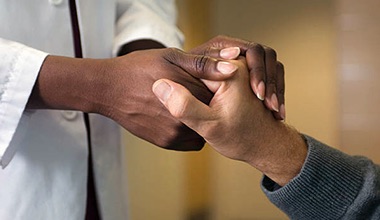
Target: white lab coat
<point x="43" y="153"/>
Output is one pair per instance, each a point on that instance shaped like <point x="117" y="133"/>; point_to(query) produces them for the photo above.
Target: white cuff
<point x="19" y="68"/>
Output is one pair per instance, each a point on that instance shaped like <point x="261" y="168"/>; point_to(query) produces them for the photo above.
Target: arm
<point x="329" y="185"/>
<point x="20" y="67"/>
<point x="119" y="88"/>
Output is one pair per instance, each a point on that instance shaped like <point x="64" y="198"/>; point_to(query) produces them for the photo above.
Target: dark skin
<point x="120" y="88"/>
<point x="262" y="66"/>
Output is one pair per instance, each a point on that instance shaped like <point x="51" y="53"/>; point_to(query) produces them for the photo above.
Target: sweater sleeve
<point x="331" y="185"/>
<point x="19" y="68"/>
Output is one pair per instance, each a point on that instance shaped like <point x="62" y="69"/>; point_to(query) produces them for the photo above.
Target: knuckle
<point x="257" y="48"/>
<point x="280" y="65"/>
<point x="220" y="40"/>
<point x="220" y="37"/>
<point x="280" y="69"/>
<point x="271" y="53"/>
<point x="200" y="63"/>
<point x="171" y="54"/>
<point x="207" y="51"/>
<point x="215" y="40"/>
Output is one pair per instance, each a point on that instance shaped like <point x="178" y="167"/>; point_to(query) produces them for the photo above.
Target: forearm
<point x="68" y="84"/>
<point x="281" y="154"/>
<point x="73" y="84"/>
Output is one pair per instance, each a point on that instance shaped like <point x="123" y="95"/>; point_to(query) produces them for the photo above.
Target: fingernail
<point x="274" y="101"/>
<point x="162" y="90"/>
<point x="261" y="91"/>
<point x="226" y="67"/>
<point x="282" y="111"/>
<point x="230" y="53"/>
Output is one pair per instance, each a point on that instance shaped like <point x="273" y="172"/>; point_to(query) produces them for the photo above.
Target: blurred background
<point x="330" y="52"/>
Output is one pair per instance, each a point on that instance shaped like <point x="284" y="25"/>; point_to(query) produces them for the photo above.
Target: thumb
<point x="228" y="53"/>
<point x="182" y="104"/>
<point x="200" y="66"/>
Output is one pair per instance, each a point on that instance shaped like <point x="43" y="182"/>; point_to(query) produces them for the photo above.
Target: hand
<point x="120" y="88"/>
<point x="266" y="73"/>
<point x="131" y="101"/>
<point x="238" y="126"/>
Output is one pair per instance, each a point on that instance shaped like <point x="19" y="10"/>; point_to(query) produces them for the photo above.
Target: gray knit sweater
<point x="331" y="185"/>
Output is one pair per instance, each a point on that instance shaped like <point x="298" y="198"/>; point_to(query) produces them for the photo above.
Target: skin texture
<point x="266" y="73"/>
<point x="120" y="88"/>
<point x="237" y="125"/>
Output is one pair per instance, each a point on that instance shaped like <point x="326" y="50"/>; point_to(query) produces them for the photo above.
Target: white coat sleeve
<point x="19" y="68"/>
<point x="147" y="19"/>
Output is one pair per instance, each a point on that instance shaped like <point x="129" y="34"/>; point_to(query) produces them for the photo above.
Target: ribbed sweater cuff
<point x="327" y="184"/>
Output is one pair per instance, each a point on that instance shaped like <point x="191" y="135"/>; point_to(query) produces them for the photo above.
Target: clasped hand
<point x="202" y="72"/>
<point x="120" y="88"/>
<point x="235" y="122"/>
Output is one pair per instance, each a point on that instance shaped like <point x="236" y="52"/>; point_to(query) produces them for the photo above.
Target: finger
<point x="226" y="42"/>
<point x="219" y="42"/>
<point x="213" y="86"/>
<point x="200" y="66"/>
<point x="182" y="104"/>
<point x="281" y="90"/>
<point x="271" y="100"/>
<point x="229" y="53"/>
<point x="256" y="63"/>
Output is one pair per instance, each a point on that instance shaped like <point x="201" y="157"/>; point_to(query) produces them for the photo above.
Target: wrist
<point x="282" y="156"/>
<point x="67" y="84"/>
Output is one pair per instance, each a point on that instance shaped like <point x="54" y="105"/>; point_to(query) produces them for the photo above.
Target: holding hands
<point x="233" y="118"/>
<point x="135" y="107"/>
<point x="120" y="88"/>
<point x="236" y="123"/>
<point x="265" y="72"/>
